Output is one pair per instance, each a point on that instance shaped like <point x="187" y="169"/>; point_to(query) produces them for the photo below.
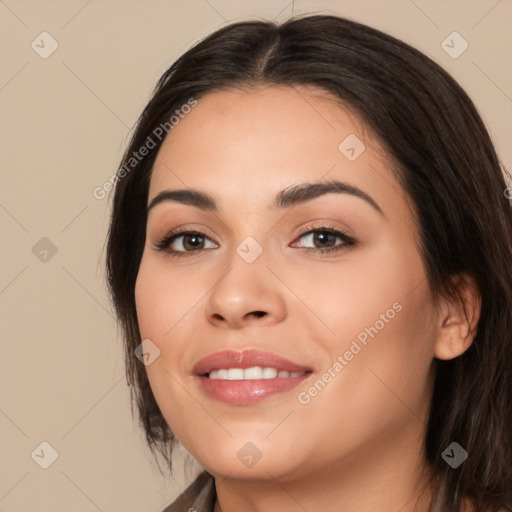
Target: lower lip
<point x="246" y="392"/>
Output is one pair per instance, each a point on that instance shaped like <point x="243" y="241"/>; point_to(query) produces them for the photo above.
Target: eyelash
<point x="347" y="241"/>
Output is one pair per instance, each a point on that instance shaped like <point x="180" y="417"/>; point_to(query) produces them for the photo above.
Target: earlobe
<point x="458" y="319"/>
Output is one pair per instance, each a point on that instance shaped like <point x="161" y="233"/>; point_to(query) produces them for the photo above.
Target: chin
<point x="244" y="459"/>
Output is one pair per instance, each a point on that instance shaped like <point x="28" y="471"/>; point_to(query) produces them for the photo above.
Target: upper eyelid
<point x="336" y="231"/>
<point x="172" y="237"/>
<point x="201" y="230"/>
<point x="326" y="227"/>
<point x="304" y="231"/>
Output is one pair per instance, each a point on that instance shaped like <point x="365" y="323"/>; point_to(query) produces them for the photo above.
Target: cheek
<point x="380" y="315"/>
<point x="386" y="344"/>
<point x="372" y="389"/>
<point x="164" y="298"/>
<point x="363" y="289"/>
<point x="164" y="302"/>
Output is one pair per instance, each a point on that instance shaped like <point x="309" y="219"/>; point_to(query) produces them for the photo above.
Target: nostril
<point x="257" y="314"/>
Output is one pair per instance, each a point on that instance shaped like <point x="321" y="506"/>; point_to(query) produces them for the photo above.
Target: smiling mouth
<point x="252" y="373"/>
<point x="245" y="377"/>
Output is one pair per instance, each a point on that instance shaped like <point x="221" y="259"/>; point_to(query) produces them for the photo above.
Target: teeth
<point x="235" y="374"/>
<point x="253" y="373"/>
<point x="269" y="373"/>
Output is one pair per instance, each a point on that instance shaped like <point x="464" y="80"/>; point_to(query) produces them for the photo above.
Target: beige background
<point x="65" y="121"/>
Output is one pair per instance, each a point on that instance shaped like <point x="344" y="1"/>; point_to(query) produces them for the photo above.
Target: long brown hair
<point x="445" y="162"/>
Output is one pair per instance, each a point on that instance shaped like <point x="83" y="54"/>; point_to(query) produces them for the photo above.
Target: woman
<point x="309" y="251"/>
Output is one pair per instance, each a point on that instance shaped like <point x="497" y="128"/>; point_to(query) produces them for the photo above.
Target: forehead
<point x="248" y="145"/>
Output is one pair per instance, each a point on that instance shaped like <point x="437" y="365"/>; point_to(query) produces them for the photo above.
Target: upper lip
<point x="245" y="359"/>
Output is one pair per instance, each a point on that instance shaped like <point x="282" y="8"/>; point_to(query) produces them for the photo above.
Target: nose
<point x="248" y="293"/>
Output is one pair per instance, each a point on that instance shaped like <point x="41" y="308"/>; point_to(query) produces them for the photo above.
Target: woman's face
<point x="327" y="285"/>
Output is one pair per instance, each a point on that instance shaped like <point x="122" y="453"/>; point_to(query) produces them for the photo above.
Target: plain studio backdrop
<point x="75" y="76"/>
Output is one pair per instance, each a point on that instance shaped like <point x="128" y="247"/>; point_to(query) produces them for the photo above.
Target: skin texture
<point x="357" y="444"/>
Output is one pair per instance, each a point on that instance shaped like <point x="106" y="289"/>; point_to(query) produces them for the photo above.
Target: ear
<point x="458" y="319"/>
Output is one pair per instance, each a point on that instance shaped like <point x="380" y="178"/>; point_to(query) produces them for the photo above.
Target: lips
<point x="246" y="359"/>
<point x="247" y="392"/>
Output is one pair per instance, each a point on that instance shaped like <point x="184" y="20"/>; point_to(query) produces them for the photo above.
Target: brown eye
<point x="191" y="242"/>
<point x="325" y="240"/>
<point x="185" y="242"/>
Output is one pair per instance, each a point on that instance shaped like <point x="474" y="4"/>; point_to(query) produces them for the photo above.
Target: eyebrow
<point x="284" y="199"/>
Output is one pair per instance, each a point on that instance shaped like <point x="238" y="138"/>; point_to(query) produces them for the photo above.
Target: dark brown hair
<point x="446" y="163"/>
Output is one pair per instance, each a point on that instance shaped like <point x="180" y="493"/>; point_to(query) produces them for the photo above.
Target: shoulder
<point x="199" y="496"/>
